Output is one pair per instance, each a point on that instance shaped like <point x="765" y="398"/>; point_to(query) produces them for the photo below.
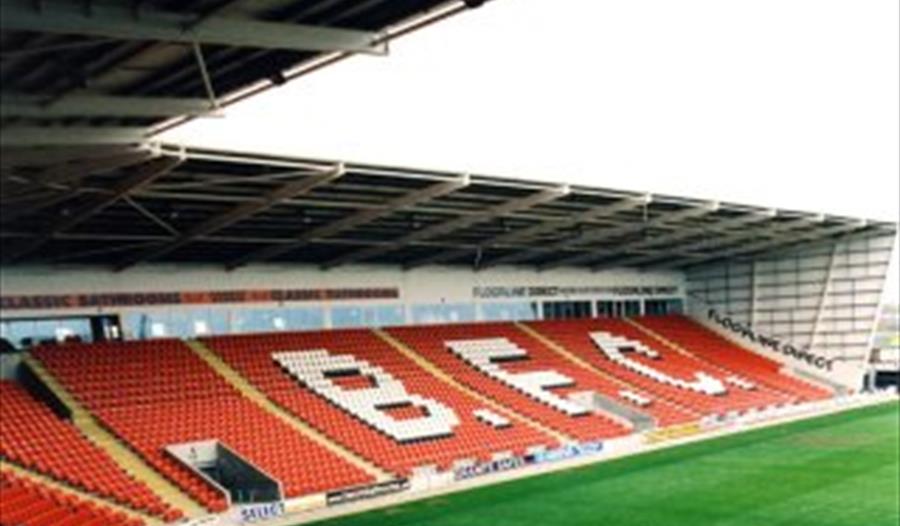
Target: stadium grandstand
<point x="210" y="337"/>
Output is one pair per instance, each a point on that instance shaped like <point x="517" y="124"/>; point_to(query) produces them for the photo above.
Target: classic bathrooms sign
<point x="804" y="355"/>
<point x="195" y="297"/>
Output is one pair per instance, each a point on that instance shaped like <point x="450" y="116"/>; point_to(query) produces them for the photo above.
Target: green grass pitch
<point x="838" y="470"/>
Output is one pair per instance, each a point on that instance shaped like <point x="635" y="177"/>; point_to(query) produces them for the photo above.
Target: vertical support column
<point x="823" y="297"/>
<point x="873" y="330"/>
<point x="752" y="306"/>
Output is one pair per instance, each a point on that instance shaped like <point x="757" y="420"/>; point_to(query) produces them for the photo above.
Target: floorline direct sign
<point x="810" y="358"/>
<point x="562" y="292"/>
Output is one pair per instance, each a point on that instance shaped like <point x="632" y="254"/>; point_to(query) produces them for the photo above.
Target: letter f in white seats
<point x="372" y="402"/>
<point x="616" y="347"/>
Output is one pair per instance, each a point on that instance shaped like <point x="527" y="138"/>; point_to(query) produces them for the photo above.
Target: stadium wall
<point x="184" y="299"/>
<point x="815" y="309"/>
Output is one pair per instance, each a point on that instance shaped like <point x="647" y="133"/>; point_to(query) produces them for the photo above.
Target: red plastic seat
<point x="28" y="503"/>
<point x="32" y="436"/>
<point x="251" y="356"/>
<point x="156" y="393"/>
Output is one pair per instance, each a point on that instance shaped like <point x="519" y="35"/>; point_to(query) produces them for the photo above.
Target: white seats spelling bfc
<point x="743" y="383"/>
<point x="316" y="368"/>
<point x="486" y="356"/>
<point x="491" y="418"/>
<point x="635" y="398"/>
<point x="615" y="348"/>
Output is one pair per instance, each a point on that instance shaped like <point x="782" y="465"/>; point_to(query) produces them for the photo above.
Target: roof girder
<point x="592" y="214"/>
<point x="96" y="105"/>
<point x="236" y="214"/>
<point x="354" y="220"/>
<point x="123" y="22"/>
<point x="455" y="224"/>
<point x="142" y="176"/>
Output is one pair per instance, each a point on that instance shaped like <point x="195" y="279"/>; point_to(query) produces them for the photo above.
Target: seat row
<point x="478" y="392"/>
<point x="445" y="347"/>
<point x="28" y="503"/>
<point x="32" y="436"/>
<point x="156" y="411"/>
<point x="708" y="345"/>
<point x="371" y="358"/>
<point x="677" y="367"/>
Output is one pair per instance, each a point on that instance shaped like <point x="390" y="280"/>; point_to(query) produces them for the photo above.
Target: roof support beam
<point x="236" y="214"/>
<point x="142" y="176"/>
<point x="706" y="248"/>
<point x="85" y="105"/>
<point x="533" y="231"/>
<point x="25" y="136"/>
<point x="766" y="246"/>
<point x="157" y="238"/>
<point x="637" y="258"/>
<point x="459" y="223"/>
<point x="82" y="168"/>
<point x="591" y="236"/>
<point x="37" y="157"/>
<point x="121" y="21"/>
<point x="353" y="220"/>
<point x="54" y="176"/>
<point x="703" y="246"/>
<point x="604" y="236"/>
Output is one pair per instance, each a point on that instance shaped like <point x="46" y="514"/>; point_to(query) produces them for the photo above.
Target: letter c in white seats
<point x="317" y="369"/>
<point x="616" y="347"/>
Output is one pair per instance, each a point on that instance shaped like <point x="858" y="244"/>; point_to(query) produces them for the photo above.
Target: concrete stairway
<point x="252" y="393"/>
<point x="441" y="375"/>
<point x="640" y="422"/>
<point x="65" y="488"/>
<point x="124" y="457"/>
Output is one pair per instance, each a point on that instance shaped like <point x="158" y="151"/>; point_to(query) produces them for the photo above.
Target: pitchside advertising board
<point x="366" y="492"/>
<point x="242" y="514"/>
<point x="569" y="451"/>
<point x="259" y="512"/>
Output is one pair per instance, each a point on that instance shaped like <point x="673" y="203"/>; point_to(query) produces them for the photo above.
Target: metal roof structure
<point x="120" y="71"/>
<point x="87" y="84"/>
<point x="125" y="205"/>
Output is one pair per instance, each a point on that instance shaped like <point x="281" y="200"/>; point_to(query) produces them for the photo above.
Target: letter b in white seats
<point x="318" y="370"/>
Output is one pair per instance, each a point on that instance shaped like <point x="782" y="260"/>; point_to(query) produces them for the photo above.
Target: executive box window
<point x="664" y="306"/>
<point x="189" y="323"/>
<point x="23" y="332"/>
<point x="519" y="311"/>
<point x="369" y="316"/>
<point x="443" y="313"/>
<point x="561" y="310"/>
<point x="618" y="308"/>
